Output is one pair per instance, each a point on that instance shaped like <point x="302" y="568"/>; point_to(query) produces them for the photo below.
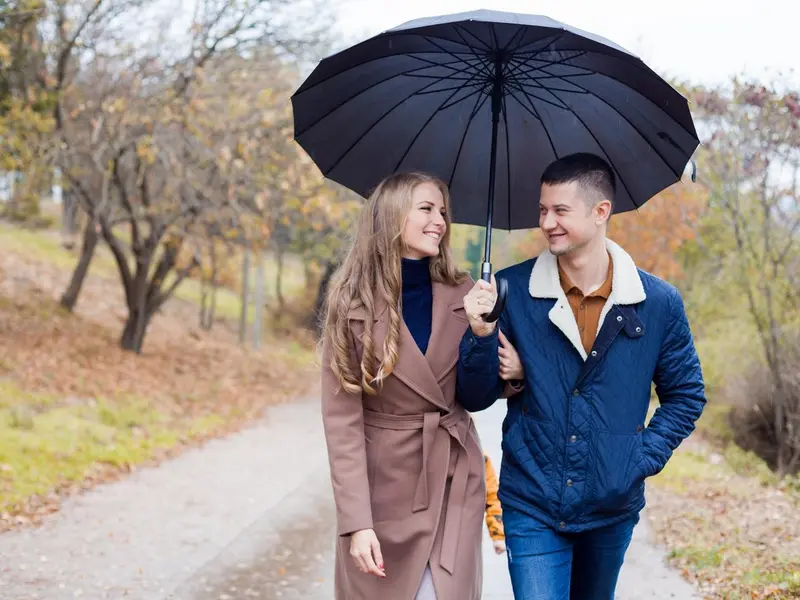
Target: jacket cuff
<point x="475" y="342"/>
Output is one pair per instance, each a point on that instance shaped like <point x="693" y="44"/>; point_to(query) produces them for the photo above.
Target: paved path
<point x="249" y="516"/>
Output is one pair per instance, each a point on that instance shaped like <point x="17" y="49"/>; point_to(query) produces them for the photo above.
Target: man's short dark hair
<point x="593" y="174"/>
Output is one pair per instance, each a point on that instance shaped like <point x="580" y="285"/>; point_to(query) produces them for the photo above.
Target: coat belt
<point x="457" y="423"/>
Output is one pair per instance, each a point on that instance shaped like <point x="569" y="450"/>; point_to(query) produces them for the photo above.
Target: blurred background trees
<point x="162" y="147"/>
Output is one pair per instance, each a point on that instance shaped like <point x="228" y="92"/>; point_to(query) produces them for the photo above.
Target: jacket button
<point x="619" y="319"/>
<point x="576" y="393"/>
<point x="594" y="352"/>
<point x="573" y="438"/>
<point x="562" y="525"/>
<point x="569" y="482"/>
<point x="638" y="330"/>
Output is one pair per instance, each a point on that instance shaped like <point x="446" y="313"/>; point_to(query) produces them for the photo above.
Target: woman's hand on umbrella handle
<point x="366" y="552"/>
<point x="479" y="302"/>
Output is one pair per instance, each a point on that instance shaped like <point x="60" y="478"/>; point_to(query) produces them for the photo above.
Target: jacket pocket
<point x="617" y="470"/>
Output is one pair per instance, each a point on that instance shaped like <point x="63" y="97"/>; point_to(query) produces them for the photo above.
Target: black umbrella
<point x="485" y="100"/>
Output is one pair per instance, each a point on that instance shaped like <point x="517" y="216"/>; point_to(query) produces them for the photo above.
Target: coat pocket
<point x="617" y="470"/>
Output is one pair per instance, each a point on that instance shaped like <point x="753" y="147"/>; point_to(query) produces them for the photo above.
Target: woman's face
<point x="425" y="225"/>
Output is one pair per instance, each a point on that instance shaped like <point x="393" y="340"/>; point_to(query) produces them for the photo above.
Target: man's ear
<point x="602" y="211"/>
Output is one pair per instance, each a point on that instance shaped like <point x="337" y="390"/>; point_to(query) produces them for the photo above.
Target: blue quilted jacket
<point x="576" y="451"/>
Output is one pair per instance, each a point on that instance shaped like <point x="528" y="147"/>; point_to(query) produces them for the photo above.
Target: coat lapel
<point x="448" y="326"/>
<point x="423" y="373"/>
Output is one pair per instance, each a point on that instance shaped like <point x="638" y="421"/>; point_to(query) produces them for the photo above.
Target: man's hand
<point x="510" y="363"/>
<point x="366" y="552"/>
<point x="479" y="302"/>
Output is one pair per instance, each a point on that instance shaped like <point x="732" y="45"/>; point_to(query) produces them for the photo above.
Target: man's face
<point x="568" y="219"/>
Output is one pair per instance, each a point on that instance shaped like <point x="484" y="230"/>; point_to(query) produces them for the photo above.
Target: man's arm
<point x="680" y="390"/>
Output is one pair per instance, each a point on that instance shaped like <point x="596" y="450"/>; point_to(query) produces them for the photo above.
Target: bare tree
<point x="147" y="155"/>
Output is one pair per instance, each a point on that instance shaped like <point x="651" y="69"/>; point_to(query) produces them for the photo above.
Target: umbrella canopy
<point x="485" y="100"/>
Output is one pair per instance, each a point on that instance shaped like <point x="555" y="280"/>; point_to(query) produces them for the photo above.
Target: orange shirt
<point x="587" y="309"/>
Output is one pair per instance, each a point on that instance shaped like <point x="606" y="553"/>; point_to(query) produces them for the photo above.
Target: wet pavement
<point x="287" y="553"/>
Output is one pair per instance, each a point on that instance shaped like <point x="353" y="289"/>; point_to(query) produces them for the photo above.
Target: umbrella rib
<point x="519" y="67"/>
<point x="458" y="26"/>
<point x="471" y="68"/>
<point x="692" y="134"/>
<point x="494" y="35"/>
<point x="481" y="100"/>
<point x="466" y="81"/>
<point x="382" y="81"/>
<point x="603" y="150"/>
<point x="532" y="110"/>
<point x="616" y="110"/>
<point x="555" y="36"/>
<point x="483" y="65"/>
<point x="581" y="53"/>
<point x="460" y="100"/>
<point x="475" y="54"/>
<point x="444" y="77"/>
<point x="433" y="114"/>
<point x="599" y="145"/>
<point x="371" y="127"/>
<point x="520" y="29"/>
<point x="371" y="60"/>
<point x="520" y="89"/>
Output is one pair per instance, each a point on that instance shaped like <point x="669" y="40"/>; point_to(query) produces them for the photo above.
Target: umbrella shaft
<point x="497" y="101"/>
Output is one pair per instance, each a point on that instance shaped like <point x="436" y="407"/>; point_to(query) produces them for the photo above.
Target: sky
<point x="703" y="41"/>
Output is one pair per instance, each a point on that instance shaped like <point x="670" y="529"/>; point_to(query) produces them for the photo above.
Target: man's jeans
<point x="547" y="565"/>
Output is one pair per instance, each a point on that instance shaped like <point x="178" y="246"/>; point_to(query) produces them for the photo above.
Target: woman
<point x="406" y="463"/>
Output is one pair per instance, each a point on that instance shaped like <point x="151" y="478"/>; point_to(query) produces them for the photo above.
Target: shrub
<point x="757" y="397"/>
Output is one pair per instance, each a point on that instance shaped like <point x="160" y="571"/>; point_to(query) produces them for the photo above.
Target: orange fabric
<point x="586" y="309"/>
<point x="494" y="513"/>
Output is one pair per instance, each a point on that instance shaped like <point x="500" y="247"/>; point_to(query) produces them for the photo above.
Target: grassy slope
<point x="75" y="410"/>
<point x="729" y="525"/>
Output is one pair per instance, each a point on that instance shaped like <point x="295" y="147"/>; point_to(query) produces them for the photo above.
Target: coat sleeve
<point x="343" y="422"/>
<point x="680" y="390"/>
<point x="478" y="382"/>
<point x="494" y="512"/>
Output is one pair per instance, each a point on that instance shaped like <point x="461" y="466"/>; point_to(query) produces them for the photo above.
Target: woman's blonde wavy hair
<point x="370" y="277"/>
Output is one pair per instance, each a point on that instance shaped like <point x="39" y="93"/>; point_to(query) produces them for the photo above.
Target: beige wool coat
<point x="408" y="463"/>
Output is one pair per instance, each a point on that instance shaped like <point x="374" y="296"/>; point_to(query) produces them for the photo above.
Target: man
<point x="592" y="332"/>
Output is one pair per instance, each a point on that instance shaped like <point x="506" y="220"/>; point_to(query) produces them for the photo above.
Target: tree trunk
<point x="245" y="299"/>
<point x="69" y="219"/>
<point x="279" y="280"/>
<point x="135" y="328"/>
<point x="212" y="309"/>
<point x="203" y="302"/>
<point x="90" y="238"/>
<point x="322" y="292"/>
<point x="258" y="256"/>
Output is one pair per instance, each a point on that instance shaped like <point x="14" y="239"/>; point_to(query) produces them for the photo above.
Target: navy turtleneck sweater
<point x="418" y="300"/>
